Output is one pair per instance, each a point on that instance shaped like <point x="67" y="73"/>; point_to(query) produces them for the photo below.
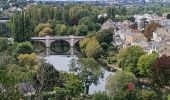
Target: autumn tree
<point x="60" y="29"/>
<point x="43" y="29"/>
<point x="148" y="31"/>
<point x="91" y="47"/>
<point x="161" y="71"/>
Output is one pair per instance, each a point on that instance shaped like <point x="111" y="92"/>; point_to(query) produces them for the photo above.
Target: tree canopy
<point x="128" y="58"/>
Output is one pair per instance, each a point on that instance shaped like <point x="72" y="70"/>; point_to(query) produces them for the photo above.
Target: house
<point x="161" y="41"/>
<point x="109" y="24"/>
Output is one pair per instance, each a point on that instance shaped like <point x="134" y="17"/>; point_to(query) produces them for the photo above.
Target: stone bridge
<point x="48" y="40"/>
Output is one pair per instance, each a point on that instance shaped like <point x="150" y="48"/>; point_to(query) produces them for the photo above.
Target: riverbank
<point x="112" y="67"/>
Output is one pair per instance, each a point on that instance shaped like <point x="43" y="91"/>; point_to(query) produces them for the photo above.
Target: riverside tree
<point x="128" y="58"/>
<point x="87" y="70"/>
<point x="117" y="85"/>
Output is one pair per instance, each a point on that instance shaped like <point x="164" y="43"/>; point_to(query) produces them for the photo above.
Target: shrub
<point x="23" y="48"/>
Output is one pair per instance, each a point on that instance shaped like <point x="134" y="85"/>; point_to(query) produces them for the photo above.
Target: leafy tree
<point x="23" y="48"/>
<point x="3" y="44"/>
<point x="72" y="86"/>
<point x="20" y="27"/>
<point x="61" y="29"/>
<point x="27" y="59"/>
<point x="45" y="31"/>
<point x="82" y="30"/>
<point x="71" y="30"/>
<point x="128" y="58"/>
<point x="145" y="63"/>
<point x="132" y="19"/>
<point x="161" y="71"/>
<point x="105" y="36"/>
<point x="88" y="22"/>
<point x="87" y="70"/>
<point x="83" y="13"/>
<point x="150" y="29"/>
<point x="112" y="12"/>
<point x="146" y="95"/>
<point x="117" y="85"/>
<point x="47" y="77"/>
<point x="73" y="11"/>
<point x="91" y="47"/>
<point x="168" y="16"/>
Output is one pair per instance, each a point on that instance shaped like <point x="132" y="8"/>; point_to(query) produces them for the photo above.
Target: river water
<point x="61" y="63"/>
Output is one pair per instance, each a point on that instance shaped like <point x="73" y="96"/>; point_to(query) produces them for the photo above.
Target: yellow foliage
<point x="27" y="59"/>
<point x="45" y="31"/>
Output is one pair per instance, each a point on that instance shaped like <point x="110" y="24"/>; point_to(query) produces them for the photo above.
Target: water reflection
<point x="61" y="63"/>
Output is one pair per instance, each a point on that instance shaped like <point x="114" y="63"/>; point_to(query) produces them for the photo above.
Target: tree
<point x="20" y="27"/>
<point x="91" y="48"/>
<point x="106" y="36"/>
<point x="71" y="30"/>
<point x="23" y="48"/>
<point x="82" y="30"/>
<point x="87" y="70"/>
<point x="3" y="44"/>
<point x="72" y="86"/>
<point x="100" y="96"/>
<point x="112" y="12"/>
<point x="27" y="59"/>
<point x="61" y="29"/>
<point x="83" y="13"/>
<point x="145" y="63"/>
<point x="161" y="71"/>
<point x="47" y="77"/>
<point x="168" y="16"/>
<point x="88" y="22"/>
<point x="128" y="58"/>
<point x="146" y="95"/>
<point x="132" y="19"/>
<point x="148" y="31"/>
<point x="117" y="85"/>
<point x="43" y="29"/>
<point x="73" y="11"/>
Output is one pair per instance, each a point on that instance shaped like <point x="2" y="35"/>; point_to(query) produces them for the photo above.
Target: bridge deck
<point x="57" y="37"/>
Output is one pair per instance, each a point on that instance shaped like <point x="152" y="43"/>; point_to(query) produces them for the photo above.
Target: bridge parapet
<point x="47" y="40"/>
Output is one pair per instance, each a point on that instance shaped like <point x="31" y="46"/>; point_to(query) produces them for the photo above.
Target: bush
<point x="23" y="48"/>
<point x="147" y="95"/>
<point x="169" y="97"/>
<point x="3" y="44"/>
<point x="100" y="96"/>
<point x="27" y="59"/>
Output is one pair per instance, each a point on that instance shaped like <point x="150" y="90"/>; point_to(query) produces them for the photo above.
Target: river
<point x="61" y="63"/>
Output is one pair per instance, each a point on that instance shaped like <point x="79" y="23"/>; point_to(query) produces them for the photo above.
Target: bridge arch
<point x="60" y="46"/>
